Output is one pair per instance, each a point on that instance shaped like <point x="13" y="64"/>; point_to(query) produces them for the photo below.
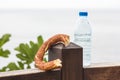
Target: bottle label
<point x="82" y="38"/>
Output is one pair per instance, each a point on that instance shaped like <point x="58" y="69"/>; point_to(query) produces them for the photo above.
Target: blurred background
<point x="27" y="19"/>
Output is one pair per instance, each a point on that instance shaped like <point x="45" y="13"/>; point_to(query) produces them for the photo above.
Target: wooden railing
<point x="30" y="74"/>
<point x="72" y="69"/>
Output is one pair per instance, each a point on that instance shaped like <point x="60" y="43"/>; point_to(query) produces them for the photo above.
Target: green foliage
<point x="4" y="39"/>
<point x="12" y="66"/>
<point x="26" y="53"/>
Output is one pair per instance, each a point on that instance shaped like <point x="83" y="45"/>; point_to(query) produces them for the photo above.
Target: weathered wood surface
<point x="71" y="57"/>
<point x="30" y="74"/>
<point x="104" y="71"/>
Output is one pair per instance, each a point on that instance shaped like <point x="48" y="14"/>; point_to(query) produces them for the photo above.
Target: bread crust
<point x="62" y="38"/>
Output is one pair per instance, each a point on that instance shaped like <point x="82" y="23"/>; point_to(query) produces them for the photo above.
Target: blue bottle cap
<point x="83" y="13"/>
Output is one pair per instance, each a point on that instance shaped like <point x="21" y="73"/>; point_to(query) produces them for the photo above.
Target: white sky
<point x="91" y="4"/>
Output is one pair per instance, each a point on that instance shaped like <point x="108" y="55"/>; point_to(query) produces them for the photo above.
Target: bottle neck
<point x="82" y="22"/>
<point x="83" y="17"/>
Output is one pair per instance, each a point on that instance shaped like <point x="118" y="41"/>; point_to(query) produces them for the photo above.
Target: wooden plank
<point x="30" y="74"/>
<point x="71" y="57"/>
<point x="102" y="71"/>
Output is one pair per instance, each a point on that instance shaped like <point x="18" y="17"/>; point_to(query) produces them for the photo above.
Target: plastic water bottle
<point x="82" y="37"/>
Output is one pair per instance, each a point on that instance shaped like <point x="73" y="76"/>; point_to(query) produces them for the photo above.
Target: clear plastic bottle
<point x="82" y="37"/>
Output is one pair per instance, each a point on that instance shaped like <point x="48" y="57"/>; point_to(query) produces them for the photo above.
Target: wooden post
<point x="72" y="63"/>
